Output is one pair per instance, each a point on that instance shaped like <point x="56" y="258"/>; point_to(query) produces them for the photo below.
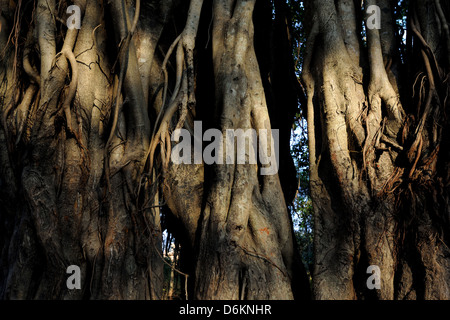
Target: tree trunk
<point x="379" y="157"/>
<point x="85" y="149"/>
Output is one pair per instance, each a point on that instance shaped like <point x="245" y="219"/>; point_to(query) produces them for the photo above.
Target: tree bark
<point x="85" y="150"/>
<point x="378" y="157"/>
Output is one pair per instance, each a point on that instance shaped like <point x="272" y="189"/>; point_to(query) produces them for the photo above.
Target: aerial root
<point x="183" y="97"/>
<point x="22" y="111"/>
<point x="72" y="87"/>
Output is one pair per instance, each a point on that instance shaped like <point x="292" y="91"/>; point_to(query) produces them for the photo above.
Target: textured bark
<point x="87" y="117"/>
<point x="248" y="229"/>
<point x="378" y="152"/>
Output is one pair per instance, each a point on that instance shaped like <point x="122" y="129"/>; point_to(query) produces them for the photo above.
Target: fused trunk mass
<point x="378" y="142"/>
<point x="87" y="127"/>
<point x="87" y="117"/>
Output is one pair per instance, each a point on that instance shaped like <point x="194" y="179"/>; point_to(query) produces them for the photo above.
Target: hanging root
<point x="126" y="32"/>
<point x="163" y="136"/>
<point x="67" y="52"/>
<point x="183" y="97"/>
<point x="30" y="70"/>
<point x="22" y="110"/>
<point x="430" y="62"/>
<point x="72" y="87"/>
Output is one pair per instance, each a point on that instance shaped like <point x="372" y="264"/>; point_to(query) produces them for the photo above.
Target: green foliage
<point x="303" y="220"/>
<point x="298" y="37"/>
<point x="301" y="209"/>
